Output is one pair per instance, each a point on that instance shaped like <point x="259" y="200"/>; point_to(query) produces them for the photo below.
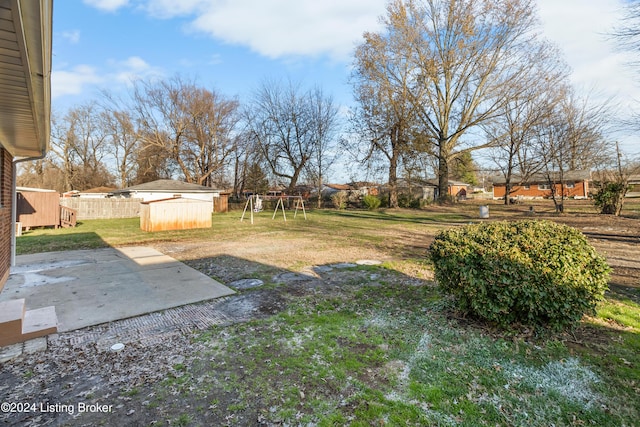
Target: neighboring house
<point x="634" y="183"/>
<point x="576" y="185"/>
<point x="92" y="193"/>
<point x="457" y="189"/>
<point x="25" y="104"/>
<point x="354" y="189"/>
<point x="330" y="189"/>
<point x="167" y="189"/>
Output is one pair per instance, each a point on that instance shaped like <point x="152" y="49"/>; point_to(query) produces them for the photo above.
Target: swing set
<point x="254" y="204"/>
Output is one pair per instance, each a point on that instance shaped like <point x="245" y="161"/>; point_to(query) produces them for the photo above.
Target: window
<point x="570" y="184"/>
<point x="544" y="187"/>
<point x="526" y="187"/>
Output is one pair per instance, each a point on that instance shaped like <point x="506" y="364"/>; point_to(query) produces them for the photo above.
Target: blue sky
<point x="233" y="45"/>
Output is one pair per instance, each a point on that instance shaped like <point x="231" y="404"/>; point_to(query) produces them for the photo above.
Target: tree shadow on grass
<point x="29" y="244"/>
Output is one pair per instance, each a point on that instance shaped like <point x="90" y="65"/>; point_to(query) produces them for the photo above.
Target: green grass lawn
<point x="383" y="353"/>
<point x="354" y="225"/>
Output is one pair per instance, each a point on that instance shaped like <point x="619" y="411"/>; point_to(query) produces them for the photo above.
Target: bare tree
<point x="515" y="128"/>
<point x="324" y="116"/>
<point x="62" y="141"/>
<point x="464" y="57"/>
<point x="571" y="139"/>
<point x="43" y="173"/>
<point x="193" y="125"/>
<point x="385" y="114"/>
<point x="211" y="139"/>
<point x="287" y="125"/>
<point x="124" y="142"/>
<point x="628" y="33"/>
<point x="153" y="162"/>
<point x="79" y="144"/>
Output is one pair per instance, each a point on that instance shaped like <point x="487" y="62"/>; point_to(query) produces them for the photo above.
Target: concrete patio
<point x="91" y="287"/>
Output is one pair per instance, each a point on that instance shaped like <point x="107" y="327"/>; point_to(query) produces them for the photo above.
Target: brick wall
<point x="579" y="190"/>
<point x="6" y="177"/>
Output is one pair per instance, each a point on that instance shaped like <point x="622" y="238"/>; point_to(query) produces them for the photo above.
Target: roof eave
<point x="33" y="24"/>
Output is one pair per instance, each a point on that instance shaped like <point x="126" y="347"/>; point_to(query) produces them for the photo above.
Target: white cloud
<point x="74" y="81"/>
<point x="72" y="36"/>
<point x="133" y="68"/>
<point x="171" y="8"/>
<point x="280" y="28"/>
<point x="86" y="79"/>
<point x="107" y="5"/>
<point x="582" y="29"/>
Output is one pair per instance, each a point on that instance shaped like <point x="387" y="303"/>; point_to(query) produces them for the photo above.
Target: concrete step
<point x="11" y="315"/>
<point x="18" y="325"/>
<point x="39" y="322"/>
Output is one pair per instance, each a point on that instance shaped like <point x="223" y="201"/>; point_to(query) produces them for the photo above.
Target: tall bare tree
<point x="123" y="143"/>
<point x="385" y="114"/>
<point x="289" y="125"/>
<point x="193" y="125"/>
<point x="571" y="139"/>
<point x="79" y="144"/>
<point x="514" y="129"/>
<point x="628" y="32"/>
<point x="464" y="58"/>
<point x="324" y="130"/>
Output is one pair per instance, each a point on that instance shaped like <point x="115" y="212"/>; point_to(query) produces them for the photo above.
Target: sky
<point x="232" y="46"/>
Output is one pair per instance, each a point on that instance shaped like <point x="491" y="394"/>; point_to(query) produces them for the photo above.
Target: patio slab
<point x="91" y="287"/>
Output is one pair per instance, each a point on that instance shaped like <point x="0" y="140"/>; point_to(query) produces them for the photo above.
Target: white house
<point x="168" y="189"/>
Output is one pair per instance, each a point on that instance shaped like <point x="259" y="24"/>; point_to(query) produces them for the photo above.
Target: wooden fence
<point x="87" y="208"/>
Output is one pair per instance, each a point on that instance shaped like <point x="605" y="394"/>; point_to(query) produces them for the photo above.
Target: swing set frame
<point x="280" y="204"/>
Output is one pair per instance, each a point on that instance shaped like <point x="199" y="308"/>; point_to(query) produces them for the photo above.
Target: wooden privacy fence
<point x="103" y="208"/>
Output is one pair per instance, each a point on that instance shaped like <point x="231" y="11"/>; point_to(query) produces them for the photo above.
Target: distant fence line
<point x="102" y="208"/>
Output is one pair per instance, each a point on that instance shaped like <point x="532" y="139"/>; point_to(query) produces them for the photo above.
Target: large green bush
<point x="528" y="273"/>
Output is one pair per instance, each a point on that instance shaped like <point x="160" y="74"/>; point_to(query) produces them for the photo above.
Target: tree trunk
<point x="294" y="180"/>
<point x="443" y="174"/>
<point x="393" y="180"/>
<point x="507" y="190"/>
<point x="320" y="191"/>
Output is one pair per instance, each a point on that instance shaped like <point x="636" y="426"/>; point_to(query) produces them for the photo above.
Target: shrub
<point x="610" y="198"/>
<point x="408" y="201"/>
<point x="371" y="202"/>
<point x="339" y="199"/>
<point x="529" y="273"/>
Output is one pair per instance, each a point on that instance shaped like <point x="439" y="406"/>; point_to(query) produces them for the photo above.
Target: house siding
<point x="6" y="200"/>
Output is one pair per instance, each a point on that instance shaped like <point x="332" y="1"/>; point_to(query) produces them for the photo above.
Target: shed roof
<point x="168" y="186"/>
<point x="175" y="200"/>
<point x="25" y="76"/>
<point x="34" y="190"/>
